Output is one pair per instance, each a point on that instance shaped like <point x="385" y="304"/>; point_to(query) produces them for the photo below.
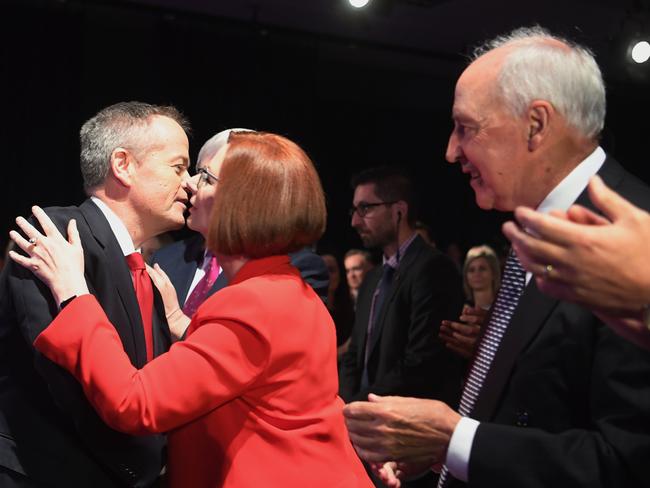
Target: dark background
<point x="354" y="89"/>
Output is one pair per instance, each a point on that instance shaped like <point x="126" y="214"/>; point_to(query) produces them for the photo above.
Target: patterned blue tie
<point x="512" y="286"/>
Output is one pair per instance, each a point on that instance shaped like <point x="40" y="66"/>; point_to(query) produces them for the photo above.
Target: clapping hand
<point x="462" y="337"/>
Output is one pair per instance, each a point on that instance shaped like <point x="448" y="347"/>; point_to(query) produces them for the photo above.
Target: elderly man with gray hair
<point x="553" y="396"/>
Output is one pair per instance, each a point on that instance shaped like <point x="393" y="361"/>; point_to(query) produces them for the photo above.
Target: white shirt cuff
<point x="460" y="447"/>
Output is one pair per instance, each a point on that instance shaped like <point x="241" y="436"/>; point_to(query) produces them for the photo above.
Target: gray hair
<point x="119" y="125"/>
<point x="215" y="143"/>
<point x="538" y="68"/>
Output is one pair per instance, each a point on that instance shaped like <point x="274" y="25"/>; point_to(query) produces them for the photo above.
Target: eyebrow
<point x="183" y="158"/>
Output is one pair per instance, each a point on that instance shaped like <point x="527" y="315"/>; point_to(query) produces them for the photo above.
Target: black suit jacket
<point x="181" y="259"/>
<point x="407" y="358"/>
<point x="48" y="430"/>
<point x="566" y="402"/>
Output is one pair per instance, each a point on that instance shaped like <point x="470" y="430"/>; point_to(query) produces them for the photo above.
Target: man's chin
<point x="368" y="242"/>
<point x="484" y="200"/>
<point x="177" y="222"/>
<point x="189" y="222"/>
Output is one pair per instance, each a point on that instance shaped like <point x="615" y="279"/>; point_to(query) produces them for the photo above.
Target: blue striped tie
<point x="512" y="285"/>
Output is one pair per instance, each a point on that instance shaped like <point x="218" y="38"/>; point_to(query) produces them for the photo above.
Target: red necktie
<point x="200" y="292"/>
<point x="144" y="294"/>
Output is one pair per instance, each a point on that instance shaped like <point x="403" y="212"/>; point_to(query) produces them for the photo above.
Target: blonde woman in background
<point x="481" y="279"/>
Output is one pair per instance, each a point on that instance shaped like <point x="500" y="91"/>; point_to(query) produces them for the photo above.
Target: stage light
<point x="359" y="3"/>
<point x="641" y="52"/>
<point x="630" y="47"/>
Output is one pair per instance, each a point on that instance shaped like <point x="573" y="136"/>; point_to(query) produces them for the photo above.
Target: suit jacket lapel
<point x="118" y="281"/>
<point x="398" y="278"/>
<point x="532" y="312"/>
<point x="220" y="283"/>
<point x="183" y="274"/>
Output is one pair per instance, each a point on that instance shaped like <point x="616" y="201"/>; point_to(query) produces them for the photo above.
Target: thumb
<point x="73" y="233"/>
<point x="608" y="201"/>
<point x="161" y="271"/>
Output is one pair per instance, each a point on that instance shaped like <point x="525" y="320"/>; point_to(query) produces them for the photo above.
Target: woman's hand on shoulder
<point x="176" y="319"/>
<point x="55" y="260"/>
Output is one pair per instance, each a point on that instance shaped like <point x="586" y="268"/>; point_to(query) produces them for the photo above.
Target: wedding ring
<point x="548" y="269"/>
<point x="32" y="241"/>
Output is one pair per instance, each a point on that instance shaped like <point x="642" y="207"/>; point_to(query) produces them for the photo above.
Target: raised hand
<point x="462" y="337"/>
<point x="176" y="319"/>
<point x="582" y="257"/>
<point x="55" y="260"/>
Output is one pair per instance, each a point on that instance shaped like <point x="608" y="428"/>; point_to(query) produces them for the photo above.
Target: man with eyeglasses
<point x="191" y="267"/>
<point x="394" y="347"/>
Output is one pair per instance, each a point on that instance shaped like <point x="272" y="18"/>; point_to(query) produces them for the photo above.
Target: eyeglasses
<point x="363" y="208"/>
<point x="204" y="177"/>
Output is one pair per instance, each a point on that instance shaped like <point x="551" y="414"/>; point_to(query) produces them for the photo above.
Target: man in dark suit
<point x="553" y="396"/>
<point x="394" y="347"/>
<point x="402" y="355"/>
<point x="134" y="160"/>
<point x="185" y="262"/>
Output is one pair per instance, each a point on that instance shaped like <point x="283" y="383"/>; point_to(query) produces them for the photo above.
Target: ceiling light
<point x="359" y="3"/>
<point x="641" y="52"/>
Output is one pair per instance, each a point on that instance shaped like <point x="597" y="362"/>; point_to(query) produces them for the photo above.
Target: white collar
<point x="569" y="189"/>
<point x="117" y="226"/>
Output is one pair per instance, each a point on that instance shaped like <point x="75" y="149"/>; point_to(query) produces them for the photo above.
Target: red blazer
<point x="248" y="399"/>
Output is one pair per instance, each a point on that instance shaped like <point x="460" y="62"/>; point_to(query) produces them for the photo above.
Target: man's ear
<point x="540" y="113"/>
<point x="401" y="208"/>
<point x="121" y="166"/>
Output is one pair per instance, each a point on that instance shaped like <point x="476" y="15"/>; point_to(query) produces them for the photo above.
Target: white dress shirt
<point x="117" y="226"/>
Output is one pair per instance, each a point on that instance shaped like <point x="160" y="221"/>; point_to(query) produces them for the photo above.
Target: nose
<point x="355" y="220"/>
<point x="191" y="184"/>
<point x="453" y="148"/>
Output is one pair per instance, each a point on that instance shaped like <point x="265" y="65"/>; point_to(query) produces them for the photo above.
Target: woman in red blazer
<point x="249" y="398"/>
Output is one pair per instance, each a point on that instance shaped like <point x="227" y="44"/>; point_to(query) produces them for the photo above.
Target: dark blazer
<point x="48" y="431"/>
<point x="406" y="357"/>
<point x="566" y="402"/>
<point x="181" y="259"/>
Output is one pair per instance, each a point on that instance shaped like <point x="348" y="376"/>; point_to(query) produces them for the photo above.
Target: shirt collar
<point x="392" y="261"/>
<point x="207" y="257"/>
<point x="117" y="226"/>
<point x="570" y="188"/>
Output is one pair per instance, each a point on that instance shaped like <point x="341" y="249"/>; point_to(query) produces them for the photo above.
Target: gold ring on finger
<point x="548" y="269"/>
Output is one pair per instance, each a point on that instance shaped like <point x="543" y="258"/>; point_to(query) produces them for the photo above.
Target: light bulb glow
<point x="641" y="52"/>
<point x="359" y="3"/>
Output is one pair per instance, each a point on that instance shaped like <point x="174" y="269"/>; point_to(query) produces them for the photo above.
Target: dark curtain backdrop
<point x="349" y="105"/>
